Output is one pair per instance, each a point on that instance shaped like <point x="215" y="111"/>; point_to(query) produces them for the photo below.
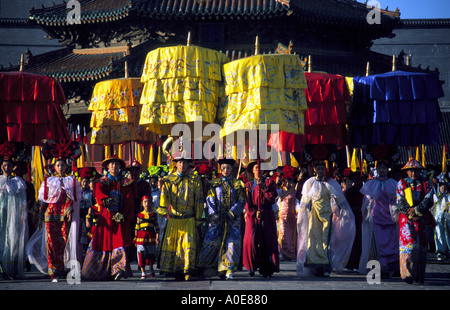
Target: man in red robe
<point x="115" y="197"/>
<point x="260" y="245"/>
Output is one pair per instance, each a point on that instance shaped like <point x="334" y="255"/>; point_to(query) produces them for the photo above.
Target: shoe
<point x="152" y="275"/>
<point x="251" y="273"/>
<point x="118" y="276"/>
<point x="409" y="280"/>
<point x="187" y="278"/>
<point x="144" y="276"/>
<point x="440" y="257"/>
<point x="229" y="276"/>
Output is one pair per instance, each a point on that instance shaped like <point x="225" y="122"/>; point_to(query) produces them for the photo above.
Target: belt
<point x="173" y="216"/>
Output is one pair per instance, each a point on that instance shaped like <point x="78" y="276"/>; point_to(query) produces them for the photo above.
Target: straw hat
<point x="412" y="164"/>
<point x="106" y="162"/>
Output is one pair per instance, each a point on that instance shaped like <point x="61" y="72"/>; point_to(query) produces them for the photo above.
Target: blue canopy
<point x="397" y="107"/>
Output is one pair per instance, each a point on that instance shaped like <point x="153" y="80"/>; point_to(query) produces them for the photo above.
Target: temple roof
<point x="98" y="11"/>
<point x="76" y="65"/>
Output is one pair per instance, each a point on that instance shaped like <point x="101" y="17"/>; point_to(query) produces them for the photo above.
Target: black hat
<point x="229" y="161"/>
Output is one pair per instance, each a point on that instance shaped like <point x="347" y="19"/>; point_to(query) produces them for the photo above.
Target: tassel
<point x="45" y="188"/>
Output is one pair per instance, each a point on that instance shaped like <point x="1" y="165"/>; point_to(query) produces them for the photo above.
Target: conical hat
<point x="412" y="164"/>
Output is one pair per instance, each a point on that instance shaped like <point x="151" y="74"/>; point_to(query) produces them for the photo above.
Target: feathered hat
<point x="320" y="152"/>
<point x="157" y="171"/>
<point x="7" y="151"/>
<point x="63" y="149"/>
<point x="289" y="173"/>
<point x="13" y="151"/>
<point x="87" y="172"/>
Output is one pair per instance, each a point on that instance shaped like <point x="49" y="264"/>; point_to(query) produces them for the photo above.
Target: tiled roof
<point x="91" y="11"/>
<point x="97" y="11"/>
<point x="68" y="65"/>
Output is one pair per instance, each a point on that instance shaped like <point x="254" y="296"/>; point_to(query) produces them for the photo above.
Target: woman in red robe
<point x="260" y="245"/>
<point x="115" y="196"/>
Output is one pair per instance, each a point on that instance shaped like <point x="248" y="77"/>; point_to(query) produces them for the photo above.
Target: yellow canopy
<point x="263" y="89"/>
<point x="115" y="112"/>
<point x="182" y="84"/>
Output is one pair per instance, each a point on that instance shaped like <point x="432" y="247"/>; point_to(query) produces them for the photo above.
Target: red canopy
<point x="30" y="108"/>
<point x="325" y="118"/>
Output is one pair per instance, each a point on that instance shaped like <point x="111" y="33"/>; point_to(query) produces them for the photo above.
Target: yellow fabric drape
<point x="263" y="89"/>
<point x="444" y="161"/>
<point x="37" y="169"/>
<point x="159" y="160"/>
<point x="151" y="158"/>
<point x="349" y="81"/>
<point x="355" y="164"/>
<point x="424" y="162"/>
<point x="182" y="84"/>
<point x="116" y="111"/>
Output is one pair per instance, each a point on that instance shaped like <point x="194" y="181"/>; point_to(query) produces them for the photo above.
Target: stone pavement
<point x="437" y="278"/>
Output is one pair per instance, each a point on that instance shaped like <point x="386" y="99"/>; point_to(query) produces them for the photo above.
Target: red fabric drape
<point x="30" y="108"/>
<point x="325" y="118"/>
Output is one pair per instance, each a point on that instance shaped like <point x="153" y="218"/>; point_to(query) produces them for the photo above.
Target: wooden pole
<point x="21" y="62"/>
<point x="257" y="45"/>
<point x="188" y="39"/>
<point x="309" y="64"/>
<point x="367" y="68"/>
<point x="394" y="65"/>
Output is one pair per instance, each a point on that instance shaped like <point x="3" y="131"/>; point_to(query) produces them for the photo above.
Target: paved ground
<point x="437" y="278"/>
<point x="283" y="290"/>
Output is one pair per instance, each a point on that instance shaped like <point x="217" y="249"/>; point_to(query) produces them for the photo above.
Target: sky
<point x="417" y="8"/>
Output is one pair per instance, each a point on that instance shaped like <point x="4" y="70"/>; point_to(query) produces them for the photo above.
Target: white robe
<point x="343" y="227"/>
<point x="13" y="225"/>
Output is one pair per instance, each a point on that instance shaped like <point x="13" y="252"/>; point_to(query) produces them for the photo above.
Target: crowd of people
<point x="188" y="222"/>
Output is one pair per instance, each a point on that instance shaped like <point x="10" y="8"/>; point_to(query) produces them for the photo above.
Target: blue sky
<point x="418" y="8"/>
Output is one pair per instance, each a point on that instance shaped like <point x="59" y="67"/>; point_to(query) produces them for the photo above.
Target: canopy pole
<point x="309" y="64"/>
<point x="21" y="62"/>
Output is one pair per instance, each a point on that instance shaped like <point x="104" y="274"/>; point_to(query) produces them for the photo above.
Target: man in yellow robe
<point x="182" y="202"/>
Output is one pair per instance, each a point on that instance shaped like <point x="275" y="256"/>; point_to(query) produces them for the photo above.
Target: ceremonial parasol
<point x="396" y="108"/>
<point x="30" y="108"/>
<point x="116" y="112"/>
<point x="263" y="90"/>
<point x="30" y="112"/>
<point x="182" y="85"/>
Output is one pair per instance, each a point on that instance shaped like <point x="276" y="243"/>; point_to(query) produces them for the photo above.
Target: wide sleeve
<point x="164" y="198"/>
<point x="267" y="193"/>
<point x="239" y="205"/>
<point x="402" y="203"/>
<point x="199" y="202"/>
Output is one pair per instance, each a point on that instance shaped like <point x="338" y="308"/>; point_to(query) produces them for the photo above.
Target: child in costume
<point x="146" y="236"/>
